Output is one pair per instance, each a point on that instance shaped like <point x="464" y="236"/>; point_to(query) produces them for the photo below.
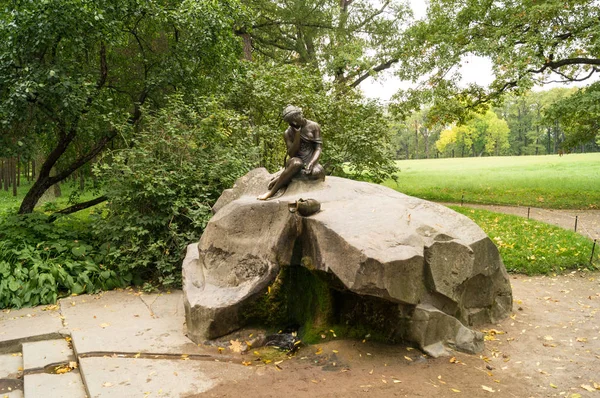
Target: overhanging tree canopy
<point x="75" y="73"/>
<point x="529" y="42"/>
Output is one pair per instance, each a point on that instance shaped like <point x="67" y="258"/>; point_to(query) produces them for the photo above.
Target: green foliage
<point x="541" y="181"/>
<point x="579" y="115"/>
<point x="481" y="134"/>
<point x="354" y="131"/>
<point x="73" y="73"/>
<point x="528" y="43"/>
<point x="347" y="40"/>
<point x="162" y="187"/>
<point x="533" y="247"/>
<point x="40" y="261"/>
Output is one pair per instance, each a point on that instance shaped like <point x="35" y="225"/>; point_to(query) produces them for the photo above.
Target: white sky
<point x="475" y="69"/>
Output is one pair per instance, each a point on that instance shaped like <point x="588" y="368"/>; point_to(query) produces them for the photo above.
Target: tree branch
<point x="78" y="207"/>
<point x="371" y="17"/>
<point x="378" y="68"/>
<point x="83" y="159"/>
<point x="103" y="67"/>
<point x="565" y="62"/>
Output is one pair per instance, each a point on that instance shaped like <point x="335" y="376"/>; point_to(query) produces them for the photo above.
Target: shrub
<point x="41" y="262"/>
<point x="162" y="187"/>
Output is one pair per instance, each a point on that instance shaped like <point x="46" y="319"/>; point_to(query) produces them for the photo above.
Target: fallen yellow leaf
<point x="236" y="346"/>
<point x="408" y="358"/>
<point x="455" y="390"/>
<point x="486" y="388"/>
<point x="587" y="387"/>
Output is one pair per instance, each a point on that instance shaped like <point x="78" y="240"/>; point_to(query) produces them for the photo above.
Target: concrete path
<point x="124" y="344"/>
<point x="115" y="344"/>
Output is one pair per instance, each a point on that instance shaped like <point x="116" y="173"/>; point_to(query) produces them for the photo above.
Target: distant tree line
<point x="528" y="124"/>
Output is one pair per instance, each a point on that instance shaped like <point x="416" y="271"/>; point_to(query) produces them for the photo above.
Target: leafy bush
<point x="162" y="187"/>
<point x="356" y="135"/>
<point x="40" y="261"/>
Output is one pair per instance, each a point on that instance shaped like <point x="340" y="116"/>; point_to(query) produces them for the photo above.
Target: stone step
<point x="51" y="370"/>
<point x="11" y="375"/>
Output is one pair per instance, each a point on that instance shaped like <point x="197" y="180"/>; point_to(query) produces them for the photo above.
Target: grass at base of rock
<point x="533" y="247"/>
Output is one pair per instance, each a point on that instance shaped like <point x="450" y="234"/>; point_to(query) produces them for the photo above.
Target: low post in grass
<point x="576" y="218"/>
<point x="528" y="211"/>
<point x="593" y="248"/>
<point x="462" y="199"/>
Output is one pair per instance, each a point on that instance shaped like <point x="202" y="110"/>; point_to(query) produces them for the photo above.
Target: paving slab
<point x="10" y="365"/>
<point x="12" y="394"/>
<point x="29" y="324"/>
<point x="108" y="377"/>
<point x="121" y="321"/>
<point x="166" y="305"/>
<point x="67" y="385"/>
<point x="41" y="353"/>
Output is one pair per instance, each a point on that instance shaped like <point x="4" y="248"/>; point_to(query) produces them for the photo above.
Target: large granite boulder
<point x="435" y="266"/>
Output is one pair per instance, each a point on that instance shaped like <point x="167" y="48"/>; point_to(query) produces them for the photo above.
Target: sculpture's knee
<point x="318" y="172"/>
<point x="295" y="163"/>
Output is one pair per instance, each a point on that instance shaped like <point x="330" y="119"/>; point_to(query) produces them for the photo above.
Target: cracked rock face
<point x="436" y="265"/>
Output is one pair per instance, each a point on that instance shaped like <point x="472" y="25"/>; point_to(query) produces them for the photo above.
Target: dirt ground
<point x="548" y="347"/>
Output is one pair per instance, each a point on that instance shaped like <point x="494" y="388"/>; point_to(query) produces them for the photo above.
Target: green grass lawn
<point x="533" y="247"/>
<point x="561" y="182"/>
<point x="9" y="202"/>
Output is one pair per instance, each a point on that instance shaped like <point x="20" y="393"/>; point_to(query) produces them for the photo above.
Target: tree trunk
<point x="18" y="171"/>
<point x="45" y="181"/>
<point x="14" y="175"/>
<point x="426" y="139"/>
<point x="416" y="140"/>
<point x="5" y="173"/>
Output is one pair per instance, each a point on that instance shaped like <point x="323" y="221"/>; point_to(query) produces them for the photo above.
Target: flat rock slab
<point x="126" y="321"/>
<point x="10" y="365"/>
<point x="41" y="353"/>
<point x="67" y="385"/>
<point x="29" y="324"/>
<point x="108" y="377"/>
